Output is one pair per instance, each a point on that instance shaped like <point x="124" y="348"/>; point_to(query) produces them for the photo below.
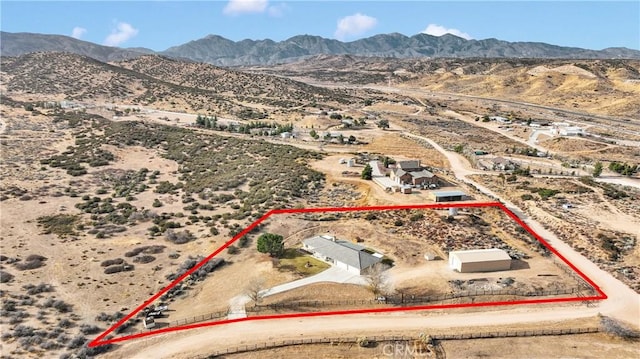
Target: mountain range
<point x="217" y="50"/>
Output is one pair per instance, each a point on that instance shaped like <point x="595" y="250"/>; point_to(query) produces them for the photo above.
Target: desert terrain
<point x="118" y="178"/>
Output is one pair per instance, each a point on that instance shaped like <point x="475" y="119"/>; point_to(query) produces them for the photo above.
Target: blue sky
<point x="161" y="24"/>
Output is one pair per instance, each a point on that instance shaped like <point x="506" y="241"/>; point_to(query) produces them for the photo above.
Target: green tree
<point x="383" y="124"/>
<point x="385" y="162"/>
<point x="352" y="139"/>
<point x="367" y="172"/>
<point x="200" y="121"/>
<point x="597" y="169"/>
<point x="459" y="148"/>
<point x="271" y="243"/>
<point x="313" y="134"/>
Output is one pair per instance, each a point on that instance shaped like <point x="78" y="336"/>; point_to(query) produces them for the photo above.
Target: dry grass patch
<point x="393" y="144"/>
<point x="301" y="263"/>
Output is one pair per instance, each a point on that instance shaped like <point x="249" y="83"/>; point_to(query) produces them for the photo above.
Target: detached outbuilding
<point x="448" y="196"/>
<point x="479" y="260"/>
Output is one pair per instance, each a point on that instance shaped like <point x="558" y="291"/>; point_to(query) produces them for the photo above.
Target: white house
<point x="500" y="119"/>
<point x="571" y="131"/>
<point x="563" y="129"/>
<point x="343" y="254"/>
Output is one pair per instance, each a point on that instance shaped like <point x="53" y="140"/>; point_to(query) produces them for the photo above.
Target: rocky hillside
<point x="16" y="44"/>
<point x="157" y="82"/>
<point x="218" y="50"/>
<point x="608" y="87"/>
<point x="276" y="91"/>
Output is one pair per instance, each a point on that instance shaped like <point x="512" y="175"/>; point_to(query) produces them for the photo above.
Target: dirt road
<point x="207" y="340"/>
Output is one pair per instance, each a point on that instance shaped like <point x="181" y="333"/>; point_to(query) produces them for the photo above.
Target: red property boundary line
<point x="601" y="295"/>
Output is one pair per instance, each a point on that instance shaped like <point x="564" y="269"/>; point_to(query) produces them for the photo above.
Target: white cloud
<point x="236" y="7"/>
<point x="437" y="30"/>
<point x="120" y="34"/>
<point x="278" y="10"/>
<point x="354" y="25"/>
<point x="77" y="32"/>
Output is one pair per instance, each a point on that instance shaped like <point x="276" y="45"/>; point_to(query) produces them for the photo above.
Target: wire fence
<point x="403" y="300"/>
<point x="385" y="339"/>
<point x="200" y="318"/>
<point x="581" y="282"/>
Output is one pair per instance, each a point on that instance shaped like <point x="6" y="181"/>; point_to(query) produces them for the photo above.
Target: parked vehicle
<point x="154" y="314"/>
<point x="149" y="322"/>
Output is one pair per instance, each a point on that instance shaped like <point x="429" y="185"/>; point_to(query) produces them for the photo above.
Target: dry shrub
<point x="616" y="328"/>
<point x="110" y="262"/>
<point x="144" y="259"/>
<point x="5" y="277"/>
<point x="33" y="261"/>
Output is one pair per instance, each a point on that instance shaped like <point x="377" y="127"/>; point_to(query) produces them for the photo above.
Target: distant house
<point x="347" y="122"/>
<point x="571" y="131"/>
<point x="503" y="164"/>
<point x="563" y="129"/>
<point x="343" y="254"/>
<point x="411" y="165"/>
<point x="500" y="119"/>
<point x="410" y="172"/>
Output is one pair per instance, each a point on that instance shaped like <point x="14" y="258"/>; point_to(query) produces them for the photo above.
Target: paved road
<point x="237" y="304"/>
<point x="237" y="307"/>
<point x="333" y="274"/>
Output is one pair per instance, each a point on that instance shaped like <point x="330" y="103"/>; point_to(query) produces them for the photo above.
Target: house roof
<point x="343" y="251"/>
<point x="399" y="172"/>
<point x="500" y="160"/>
<point x="481" y="255"/>
<point x="448" y="193"/>
<point x="422" y="174"/>
<point x="405" y="165"/>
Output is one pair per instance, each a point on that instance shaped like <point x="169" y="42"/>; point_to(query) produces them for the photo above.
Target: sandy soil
<point x="567" y="346"/>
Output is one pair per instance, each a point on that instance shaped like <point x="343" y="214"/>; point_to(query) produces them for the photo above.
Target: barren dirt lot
<point x="393" y="144"/>
<point x="609" y="209"/>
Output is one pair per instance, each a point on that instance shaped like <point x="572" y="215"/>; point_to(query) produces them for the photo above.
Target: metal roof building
<point x="479" y="260"/>
<point x="342" y="254"/>
<point x="448" y="196"/>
